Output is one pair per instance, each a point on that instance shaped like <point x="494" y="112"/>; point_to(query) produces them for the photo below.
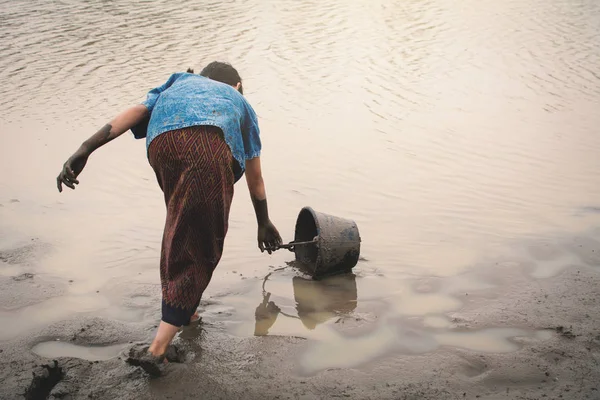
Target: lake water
<point x="451" y="132"/>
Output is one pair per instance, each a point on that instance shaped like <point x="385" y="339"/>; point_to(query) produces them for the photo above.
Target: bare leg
<point x="195" y="317"/>
<point x="162" y="340"/>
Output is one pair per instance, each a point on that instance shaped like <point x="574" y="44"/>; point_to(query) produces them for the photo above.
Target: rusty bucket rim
<point x="316" y="217"/>
<point x="318" y="243"/>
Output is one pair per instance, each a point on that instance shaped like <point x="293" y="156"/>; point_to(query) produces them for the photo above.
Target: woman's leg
<point x="164" y="336"/>
<point x="193" y="168"/>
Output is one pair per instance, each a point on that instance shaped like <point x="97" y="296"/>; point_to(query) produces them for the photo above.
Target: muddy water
<point x="91" y="353"/>
<point x="451" y="133"/>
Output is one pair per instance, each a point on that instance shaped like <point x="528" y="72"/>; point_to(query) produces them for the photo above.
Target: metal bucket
<point x="334" y="243"/>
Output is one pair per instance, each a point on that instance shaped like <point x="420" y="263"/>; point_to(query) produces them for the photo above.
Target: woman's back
<point x="187" y="100"/>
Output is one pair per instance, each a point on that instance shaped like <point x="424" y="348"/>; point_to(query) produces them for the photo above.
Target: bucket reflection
<point x="316" y="302"/>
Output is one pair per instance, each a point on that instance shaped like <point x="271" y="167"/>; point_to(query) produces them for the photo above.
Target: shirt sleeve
<point x="140" y="130"/>
<point x="251" y="133"/>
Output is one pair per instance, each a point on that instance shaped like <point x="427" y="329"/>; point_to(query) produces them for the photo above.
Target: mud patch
<point x="44" y="381"/>
<point x="23" y="277"/>
<point x="24" y="254"/>
<point x="565" y="332"/>
<point x="24" y="290"/>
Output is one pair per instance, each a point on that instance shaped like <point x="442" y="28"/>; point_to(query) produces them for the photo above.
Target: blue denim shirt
<point x="190" y="100"/>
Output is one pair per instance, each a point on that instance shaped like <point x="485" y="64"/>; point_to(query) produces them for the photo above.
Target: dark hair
<point x="222" y="72"/>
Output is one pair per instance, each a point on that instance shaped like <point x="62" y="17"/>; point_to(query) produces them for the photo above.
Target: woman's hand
<point x="71" y="169"/>
<point x="268" y="237"/>
<point x="119" y="125"/>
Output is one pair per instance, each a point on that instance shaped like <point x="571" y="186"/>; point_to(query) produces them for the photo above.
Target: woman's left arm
<point x="115" y="128"/>
<point x="268" y="236"/>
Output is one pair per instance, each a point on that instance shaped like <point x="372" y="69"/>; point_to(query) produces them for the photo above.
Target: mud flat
<point x="512" y="336"/>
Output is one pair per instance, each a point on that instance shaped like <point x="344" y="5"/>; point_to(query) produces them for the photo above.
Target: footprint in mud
<point x="473" y="367"/>
<point x="138" y="356"/>
<point x="23" y="277"/>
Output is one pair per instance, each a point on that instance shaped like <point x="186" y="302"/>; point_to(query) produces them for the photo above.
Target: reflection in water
<point x="317" y="301"/>
<point x="266" y="314"/>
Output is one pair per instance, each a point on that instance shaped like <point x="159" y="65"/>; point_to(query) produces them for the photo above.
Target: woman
<point x="201" y="137"/>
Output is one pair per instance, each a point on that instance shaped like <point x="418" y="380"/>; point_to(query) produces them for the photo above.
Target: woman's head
<point x="222" y="72"/>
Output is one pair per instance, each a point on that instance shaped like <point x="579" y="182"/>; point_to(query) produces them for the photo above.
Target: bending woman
<point x="201" y="137"/>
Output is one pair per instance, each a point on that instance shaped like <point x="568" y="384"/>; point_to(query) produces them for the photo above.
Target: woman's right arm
<point x="115" y="128"/>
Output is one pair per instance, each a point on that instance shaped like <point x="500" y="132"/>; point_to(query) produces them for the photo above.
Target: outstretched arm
<point x="115" y="128"/>
<point x="268" y="236"/>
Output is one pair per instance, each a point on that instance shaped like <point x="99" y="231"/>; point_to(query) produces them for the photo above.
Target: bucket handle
<point x="291" y="246"/>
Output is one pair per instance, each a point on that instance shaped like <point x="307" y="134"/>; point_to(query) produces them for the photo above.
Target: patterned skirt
<point x="193" y="167"/>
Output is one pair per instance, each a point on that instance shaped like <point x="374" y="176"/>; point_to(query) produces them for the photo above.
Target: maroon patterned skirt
<point x="194" y="170"/>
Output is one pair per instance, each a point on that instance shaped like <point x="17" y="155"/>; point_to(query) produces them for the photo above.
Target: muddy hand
<point x="268" y="238"/>
<point x="71" y="169"/>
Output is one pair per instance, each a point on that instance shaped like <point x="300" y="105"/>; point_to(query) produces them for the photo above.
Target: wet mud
<point x="508" y="336"/>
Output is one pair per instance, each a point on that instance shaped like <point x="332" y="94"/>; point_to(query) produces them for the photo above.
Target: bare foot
<point x="139" y="356"/>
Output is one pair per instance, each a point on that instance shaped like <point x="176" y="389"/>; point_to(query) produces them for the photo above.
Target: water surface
<point x="449" y="131"/>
